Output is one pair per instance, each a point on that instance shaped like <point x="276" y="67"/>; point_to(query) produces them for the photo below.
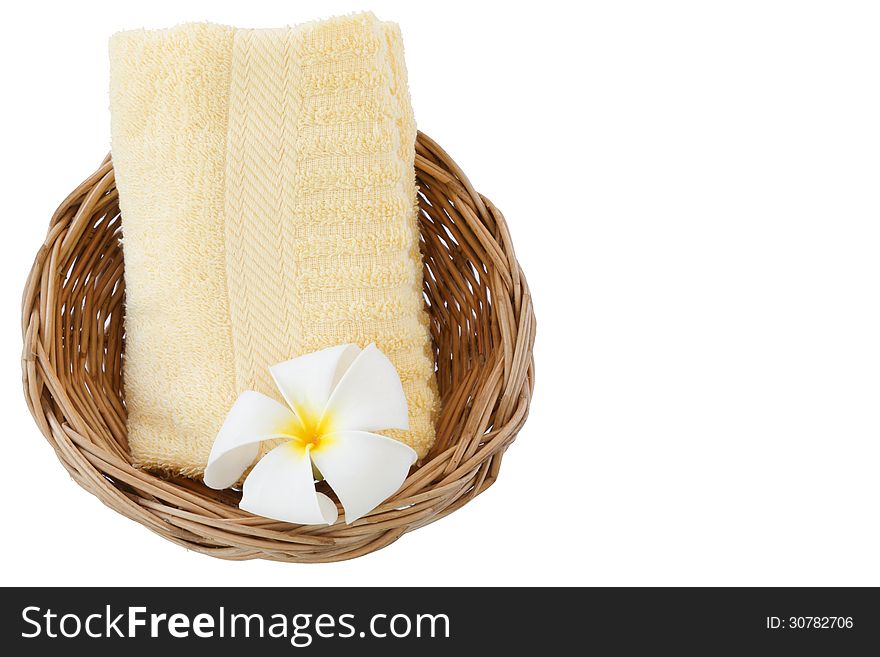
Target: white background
<point x="693" y="192"/>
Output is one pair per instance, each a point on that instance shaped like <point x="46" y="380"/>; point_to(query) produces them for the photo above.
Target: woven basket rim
<point x="482" y="327"/>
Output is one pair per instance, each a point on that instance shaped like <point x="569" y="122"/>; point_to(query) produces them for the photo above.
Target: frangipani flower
<point x="337" y="397"/>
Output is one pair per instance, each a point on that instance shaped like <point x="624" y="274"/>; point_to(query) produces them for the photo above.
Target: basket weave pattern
<point x="482" y="327"/>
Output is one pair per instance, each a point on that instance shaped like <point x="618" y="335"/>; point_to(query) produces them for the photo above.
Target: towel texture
<point x="268" y="196"/>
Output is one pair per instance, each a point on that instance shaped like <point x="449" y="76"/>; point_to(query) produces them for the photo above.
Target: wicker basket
<point x="482" y="326"/>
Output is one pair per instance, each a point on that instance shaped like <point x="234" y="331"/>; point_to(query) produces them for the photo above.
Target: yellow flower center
<point x="309" y="430"/>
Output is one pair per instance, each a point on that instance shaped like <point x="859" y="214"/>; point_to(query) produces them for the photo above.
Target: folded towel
<point x="268" y="201"/>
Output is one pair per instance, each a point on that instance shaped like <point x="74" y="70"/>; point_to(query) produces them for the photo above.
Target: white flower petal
<point x="252" y="419"/>
<point x="363" y="469"/>
<point x="306" y="382"/>
<point x="369" y="396"/>
<point x="281" y="487"/>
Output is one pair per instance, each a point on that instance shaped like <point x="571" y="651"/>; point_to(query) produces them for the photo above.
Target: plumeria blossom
<point x="336" y="399"/>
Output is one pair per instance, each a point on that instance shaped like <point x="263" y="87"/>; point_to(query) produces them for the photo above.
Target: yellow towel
<point x="267" y="189"/>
